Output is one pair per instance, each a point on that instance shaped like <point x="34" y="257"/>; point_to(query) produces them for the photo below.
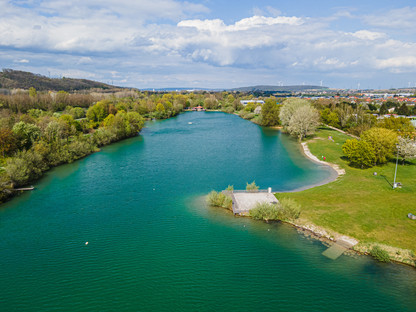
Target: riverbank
<point x="359" y="205"/>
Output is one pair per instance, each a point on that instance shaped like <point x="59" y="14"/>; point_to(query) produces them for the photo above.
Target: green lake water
<point x="153" y="245"/>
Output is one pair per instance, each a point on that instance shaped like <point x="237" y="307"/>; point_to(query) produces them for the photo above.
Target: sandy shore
<point x="336" y="171"/>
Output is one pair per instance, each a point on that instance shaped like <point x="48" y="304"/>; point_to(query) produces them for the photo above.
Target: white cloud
<point x="401" y="62"/>
<point x="22" y="61"/>
<point x="115" y="38"/>
<point x="402" y="19"/>
<point x="218" y="25"/>
<point x="368" y="35"/>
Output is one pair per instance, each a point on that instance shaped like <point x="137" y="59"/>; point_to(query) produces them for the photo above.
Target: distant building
<point x="245" y="102"/>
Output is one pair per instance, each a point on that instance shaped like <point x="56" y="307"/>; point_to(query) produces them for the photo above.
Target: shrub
<point x="265" y="211"/>
<point x="216" y="199"/>
<point x="230" y="188"/>
<point x="380" y="254"/>
<point x="252" y="187"/>
<point x="290" y="210"/>
<point x="286" y="209"/>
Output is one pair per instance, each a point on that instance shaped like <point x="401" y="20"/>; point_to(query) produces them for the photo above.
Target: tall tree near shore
<point x="270" y="113"/>
<point x="299" y="118"/>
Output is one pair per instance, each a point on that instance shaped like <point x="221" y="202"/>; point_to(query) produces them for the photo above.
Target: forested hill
<point x="10" y="79"/>
<point x="279" y="88"/>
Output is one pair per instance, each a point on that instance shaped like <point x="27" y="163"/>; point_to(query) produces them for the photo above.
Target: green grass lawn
<point x="359" y="204"/>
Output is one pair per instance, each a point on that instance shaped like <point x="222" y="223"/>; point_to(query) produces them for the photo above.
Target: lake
<point x="153" y="244"/>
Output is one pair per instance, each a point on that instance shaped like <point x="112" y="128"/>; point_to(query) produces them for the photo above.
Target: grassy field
<point x="360" y="204"/>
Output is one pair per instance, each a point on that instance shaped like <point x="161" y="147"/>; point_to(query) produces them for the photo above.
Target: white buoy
<point x="86" y="243"/>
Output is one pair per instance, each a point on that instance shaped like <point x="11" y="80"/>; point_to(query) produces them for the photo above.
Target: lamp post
<point x="395" y="171"/>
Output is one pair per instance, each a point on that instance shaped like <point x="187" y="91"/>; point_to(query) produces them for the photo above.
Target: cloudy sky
<point x="213" y="43"/>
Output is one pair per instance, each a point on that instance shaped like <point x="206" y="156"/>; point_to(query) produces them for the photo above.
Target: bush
<point x="265" y="211"/>
<point x="380" y="254"/>
<point x="216" y="199"/>
<point x="230" y="188"/>
<point x="229" y="110"/>
<point x="252" y="187"/>
<point x="290" y="210"/>
<point x="286" y="209"/>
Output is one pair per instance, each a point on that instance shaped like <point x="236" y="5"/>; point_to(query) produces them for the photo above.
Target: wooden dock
<point x="30" y="188"/>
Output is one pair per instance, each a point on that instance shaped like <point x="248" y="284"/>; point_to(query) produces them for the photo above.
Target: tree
<point x="7" y="142"/>
<point x="344" y="113"/>
<point x="304" y="122"/>
<point x="360" y="153"/>
<point x="383" y="141"/>
<point x="290" y="106"/>
<point x="98" y="112"/>
<point x="403" y="110"/>
<point x="383" y="109"/>
<point x="160" y="108"/>
<point x="270" y="113"/>
<point x="26" y="134"/>
<point x="136" y="122"/>
<point x="330" y="118"/>
<point x="32" y="92"/>
<point x="406" y="148"/>
<point x="298" y="117"/>
<point x="401" y="125"/>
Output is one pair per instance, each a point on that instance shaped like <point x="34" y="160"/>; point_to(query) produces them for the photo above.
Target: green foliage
<point x="403" y="110"/>
<point x="285" y="210"/>
<point x="230" y="188"/>
<point x="380" y="254"/>
<point x="228" y="110"/>
<point x="98" y="112"/>
<point x="75" y="112"/>
<point x="383" y="109"/>
<point x="289" y="209"/>
<point x="219" y="199"/>
<point x="265" y="211"/>
<point x="26" y="134"/>
<point x="246" y="115"/>
<point x="32" y="92"/>
<point x="403" y="126"/>
<point x="360" y="153"/>
<point x="8" y="142"/>
<point x="303" y="122"/>
<point x="35" y="113"/>
<point x="25" y="167"/>
<point x="330" y="118"/>
<point x="270" y="113"/>
<point x="383" y="141"/>
<point x="290" y="106"/>
<point x="252" y="187"/>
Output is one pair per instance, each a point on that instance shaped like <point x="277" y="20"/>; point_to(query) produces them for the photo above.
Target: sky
<point x="213" y="43"/>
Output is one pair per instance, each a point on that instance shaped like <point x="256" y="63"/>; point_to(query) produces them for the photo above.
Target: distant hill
<point x="11" y="79"/>
<point x="300" y="88"/>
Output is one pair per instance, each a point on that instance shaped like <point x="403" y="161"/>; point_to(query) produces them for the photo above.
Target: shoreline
<point x="336" y="171"/>
<point x="326" y="236"/>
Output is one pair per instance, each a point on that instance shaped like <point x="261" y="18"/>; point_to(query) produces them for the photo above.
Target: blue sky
<point x="213" y="44"/>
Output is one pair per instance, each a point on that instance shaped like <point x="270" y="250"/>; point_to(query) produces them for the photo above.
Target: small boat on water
<point x="189" y="123"/>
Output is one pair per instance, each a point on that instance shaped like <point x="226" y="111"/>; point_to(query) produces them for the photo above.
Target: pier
<point x="30" y="188"/>
<point x="244" y="201"/>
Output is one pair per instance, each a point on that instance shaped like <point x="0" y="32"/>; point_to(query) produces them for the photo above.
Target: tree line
<point x="39" y="130"/>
